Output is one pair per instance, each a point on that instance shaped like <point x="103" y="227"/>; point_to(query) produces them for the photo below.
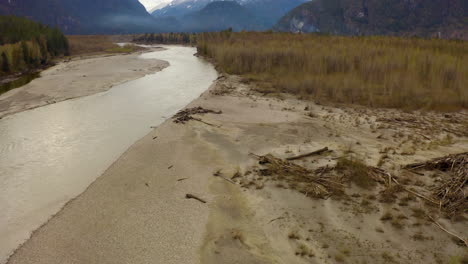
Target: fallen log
<point x="191" y="196"/>
<point x="317" y="152"/>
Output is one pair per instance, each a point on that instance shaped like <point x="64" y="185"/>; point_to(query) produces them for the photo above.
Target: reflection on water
<point x="23" y="80"/>
<point x="51" y="154"/>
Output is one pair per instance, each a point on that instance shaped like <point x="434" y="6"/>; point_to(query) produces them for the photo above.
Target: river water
<point x="51" y="154"/>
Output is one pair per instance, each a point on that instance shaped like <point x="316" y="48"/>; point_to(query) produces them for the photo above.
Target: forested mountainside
<point x="219" y="16"/>
<point x="26" y="44"/>
<point x="84" y="16"/>
<point x="444" y="18"/>
<point x="265" y="12"/>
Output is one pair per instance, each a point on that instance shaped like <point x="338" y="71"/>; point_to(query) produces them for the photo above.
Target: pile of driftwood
<point x="186" y="115"/>
<point x="311" y="183"/>
<point x="452" y="194"/>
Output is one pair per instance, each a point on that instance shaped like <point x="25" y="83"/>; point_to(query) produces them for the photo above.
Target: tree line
<point x="167" y="38"/>
<point x="25" y="44"/>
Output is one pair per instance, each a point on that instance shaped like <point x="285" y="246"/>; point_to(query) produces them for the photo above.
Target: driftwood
<point x="313" y="183"/>
<point x="317" y="152"/>
<point x="218" y="174"/>
<point x="451" y="194"/>
<point x="185" y="115"/>
<point x="206" y="123"/>
<point x="277" y="218"/>
<point x="465" y="240"/>
<point x="191" y="196"/>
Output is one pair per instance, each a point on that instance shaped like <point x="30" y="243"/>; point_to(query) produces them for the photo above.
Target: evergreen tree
<point x="5" y="63"/>
<point x="26" y="57"/>
<point x="28" y="44"/>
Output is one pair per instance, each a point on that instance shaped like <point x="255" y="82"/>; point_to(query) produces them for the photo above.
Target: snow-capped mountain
<point x="152" y="5"/>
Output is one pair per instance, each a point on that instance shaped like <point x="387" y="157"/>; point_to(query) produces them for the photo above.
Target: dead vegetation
<point x="186" y="115"/>
<point x="452" y="193"/>
<point x="357" y="172"/>
<point x="326" y="181"/>
<point x="311" y="183"/>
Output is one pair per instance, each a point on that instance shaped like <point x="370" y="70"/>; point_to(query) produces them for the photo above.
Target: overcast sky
<point x="150" y="4"/>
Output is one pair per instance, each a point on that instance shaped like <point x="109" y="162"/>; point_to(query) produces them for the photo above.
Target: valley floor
<point x="138" y="211"/>
<point x="79" y="77"/>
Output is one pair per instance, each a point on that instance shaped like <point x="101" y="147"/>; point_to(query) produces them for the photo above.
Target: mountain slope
<point x="181" y="8"/>
<point x="267" y="12"/>
<point x="270" y="11"/>
<point x="221" y="15"/>
<point x="367" y="17"/>
<point x="84" y="16"/>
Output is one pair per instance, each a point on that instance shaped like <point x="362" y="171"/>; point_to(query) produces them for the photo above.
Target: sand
<point x="136" y="212"/>
<point x="79" y="77"/>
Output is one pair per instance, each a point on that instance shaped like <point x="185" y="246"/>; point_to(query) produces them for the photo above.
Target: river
<point x="51" y="154"/>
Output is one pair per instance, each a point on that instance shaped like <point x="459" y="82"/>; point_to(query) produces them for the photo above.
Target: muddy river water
<point x="51" y="154"/>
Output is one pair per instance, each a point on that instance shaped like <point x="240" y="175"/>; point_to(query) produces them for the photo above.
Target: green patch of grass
<point x="124" y="49"/>
<point x="459" y="260"/>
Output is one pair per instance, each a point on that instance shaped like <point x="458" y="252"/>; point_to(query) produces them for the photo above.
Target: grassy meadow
<point x="372" y="71"/>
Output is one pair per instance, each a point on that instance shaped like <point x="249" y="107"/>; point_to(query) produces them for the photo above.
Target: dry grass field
<point x="372" y="71"/>
<point x="96" y="44"/>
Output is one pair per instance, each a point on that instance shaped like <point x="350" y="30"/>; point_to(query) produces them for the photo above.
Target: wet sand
<point x="77" y="78"/>
<point x="137" y="211"/>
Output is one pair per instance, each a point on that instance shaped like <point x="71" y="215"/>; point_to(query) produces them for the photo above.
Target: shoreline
<point x="101" y="73"/>
<point x="136" y="212"/>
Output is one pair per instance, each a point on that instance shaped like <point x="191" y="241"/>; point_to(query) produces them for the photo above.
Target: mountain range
<point x="84" y="16"/>
<point x="218" y="16"/>
<point x="265" y="12"/>
<point x="130" y="16"/>
<point x="442" y="18"/>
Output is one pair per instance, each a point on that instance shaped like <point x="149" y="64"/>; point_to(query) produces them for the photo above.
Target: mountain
<point x="266" y="12"/>
<point x="444" y="18"/>
<point x="270" y="11"/>
<point x="181" y="8"/>
<point x="84" y="16"/>
<point x="221" y="15"/>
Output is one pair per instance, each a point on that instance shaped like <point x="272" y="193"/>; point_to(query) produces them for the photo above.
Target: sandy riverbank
<point x="79" y="77"/>
<point x="136" y="212"/>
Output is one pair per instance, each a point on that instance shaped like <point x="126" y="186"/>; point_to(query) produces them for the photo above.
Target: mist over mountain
<point x="85" y="16"/>
<point x="221" y="15"/>
<point x="266" y="12"/>
<point x="444" y="18"/>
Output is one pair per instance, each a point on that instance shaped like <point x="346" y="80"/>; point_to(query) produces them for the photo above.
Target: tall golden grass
<point x="97" y="44"/>
<point x="371" y="71"/>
